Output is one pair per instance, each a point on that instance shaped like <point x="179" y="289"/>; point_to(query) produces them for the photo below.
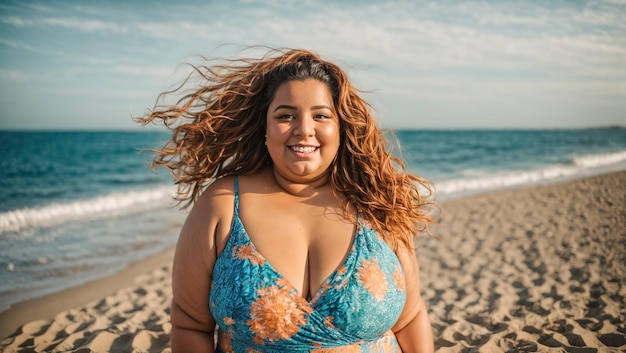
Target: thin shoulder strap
<point x="237" y="194"/>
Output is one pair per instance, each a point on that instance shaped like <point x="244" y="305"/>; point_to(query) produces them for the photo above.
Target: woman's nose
<point x="305" y="126"/>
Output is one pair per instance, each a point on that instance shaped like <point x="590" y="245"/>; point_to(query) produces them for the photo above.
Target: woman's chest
<point x="252" y="299"/>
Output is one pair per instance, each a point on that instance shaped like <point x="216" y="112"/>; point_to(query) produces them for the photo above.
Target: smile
<point x="303" y="149"/>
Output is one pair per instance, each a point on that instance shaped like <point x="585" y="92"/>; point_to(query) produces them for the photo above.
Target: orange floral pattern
<point x="258" y="310"/>
<point x="398" y="278"/>
<point x="248" y="252"/>
<point x="373" y="279"/>
<point x="277" y="314"/>
<point x="328" y="321"/>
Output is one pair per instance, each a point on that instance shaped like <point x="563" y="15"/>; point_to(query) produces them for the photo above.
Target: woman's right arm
<point x="193" y="326"/>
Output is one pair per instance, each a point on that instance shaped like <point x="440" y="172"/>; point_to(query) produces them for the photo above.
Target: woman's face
<point x="302" y="131"/>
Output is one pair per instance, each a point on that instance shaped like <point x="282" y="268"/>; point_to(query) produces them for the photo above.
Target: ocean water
<point x="76" y="206"/>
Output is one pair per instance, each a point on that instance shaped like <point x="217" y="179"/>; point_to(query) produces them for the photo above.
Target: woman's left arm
<point x="413" y="330"/>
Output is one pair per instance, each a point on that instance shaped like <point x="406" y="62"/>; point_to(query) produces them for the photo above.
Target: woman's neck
<point x="302" y="189"/>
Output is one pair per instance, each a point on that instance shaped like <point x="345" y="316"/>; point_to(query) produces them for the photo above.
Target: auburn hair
<point x="218" y="129"/>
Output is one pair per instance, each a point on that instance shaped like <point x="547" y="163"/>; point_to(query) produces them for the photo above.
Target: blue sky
<point x="426" y="64"/>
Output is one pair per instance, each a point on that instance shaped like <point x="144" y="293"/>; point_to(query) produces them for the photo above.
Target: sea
<point x="79" y="205"/>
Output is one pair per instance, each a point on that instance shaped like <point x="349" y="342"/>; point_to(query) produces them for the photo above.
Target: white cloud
<point x="439" y="52"/>
<point x="17" y="76"/>
<point x="552" y="43"/>
<point x="16" y="21"/>
<point x="85" y="25"/>
<point x="16" y="44"/>
<point x="39" y="7"/>
<point x="152" y="71"/>
<point x="176" y="31"/>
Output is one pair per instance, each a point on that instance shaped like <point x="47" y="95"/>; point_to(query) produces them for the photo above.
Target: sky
<point x="423" y="64"/>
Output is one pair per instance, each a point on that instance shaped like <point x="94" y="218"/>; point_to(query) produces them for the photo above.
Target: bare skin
<point x="291" y="215"/>
<point x="304" y="238"/>
<point x="311" y="259"/>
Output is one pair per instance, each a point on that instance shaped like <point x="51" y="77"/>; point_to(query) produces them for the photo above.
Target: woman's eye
<point x="322" y="116"/>
<point x="286" y="117"/>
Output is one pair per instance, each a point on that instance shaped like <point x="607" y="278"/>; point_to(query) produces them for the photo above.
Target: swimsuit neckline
<point x="329" y="279"/>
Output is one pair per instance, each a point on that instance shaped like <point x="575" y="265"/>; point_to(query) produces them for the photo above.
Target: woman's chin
<point x="303" y="174"/>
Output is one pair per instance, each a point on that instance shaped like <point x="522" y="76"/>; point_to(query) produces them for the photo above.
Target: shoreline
<point x="49" y="305"/>
<point x="526" y="269"/>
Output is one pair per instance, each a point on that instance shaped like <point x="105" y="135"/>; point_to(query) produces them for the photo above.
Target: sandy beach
<point x="540" y="269"/>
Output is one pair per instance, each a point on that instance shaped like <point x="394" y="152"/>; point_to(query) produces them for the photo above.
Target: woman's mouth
<point x="303" y="149"/>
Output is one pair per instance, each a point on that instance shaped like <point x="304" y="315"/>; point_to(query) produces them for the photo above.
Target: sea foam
<point x="599" y="160"/>
<point x="580" y="165"/>
<point x="97" y="207"/>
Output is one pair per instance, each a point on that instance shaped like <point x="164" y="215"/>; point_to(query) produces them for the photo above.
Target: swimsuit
<point x="258" y="310"/>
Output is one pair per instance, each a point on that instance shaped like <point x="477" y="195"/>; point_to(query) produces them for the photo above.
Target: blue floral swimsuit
<point x="257" y="310"/>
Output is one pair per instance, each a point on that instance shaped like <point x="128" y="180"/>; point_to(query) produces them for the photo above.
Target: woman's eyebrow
<point x="315" y="107"/>
<point x="283" y="106"/>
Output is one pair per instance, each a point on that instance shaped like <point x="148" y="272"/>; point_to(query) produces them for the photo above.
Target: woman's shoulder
<point x="208" y="222"/>
<point x="219" y="196"/>
<point x="216" y="193"/>
<point x="215" y="204"/>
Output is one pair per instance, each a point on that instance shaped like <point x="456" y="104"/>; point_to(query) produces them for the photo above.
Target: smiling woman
<point x="302" y="131"/>
<point x="302" y="224"/>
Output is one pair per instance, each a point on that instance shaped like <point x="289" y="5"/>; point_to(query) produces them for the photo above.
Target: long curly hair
<point x="219" y="128"/>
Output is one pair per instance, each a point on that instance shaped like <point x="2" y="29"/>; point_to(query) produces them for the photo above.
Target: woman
<point x="300" y="236"/>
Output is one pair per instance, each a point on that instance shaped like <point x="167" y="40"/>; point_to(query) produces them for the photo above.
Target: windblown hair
<point x="219" y="130"/>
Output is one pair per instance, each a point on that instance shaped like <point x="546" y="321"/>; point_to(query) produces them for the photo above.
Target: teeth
<point x="302" y="149"/>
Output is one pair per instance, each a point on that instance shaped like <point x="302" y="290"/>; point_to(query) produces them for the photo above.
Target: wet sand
<point x="541" y="269"/>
